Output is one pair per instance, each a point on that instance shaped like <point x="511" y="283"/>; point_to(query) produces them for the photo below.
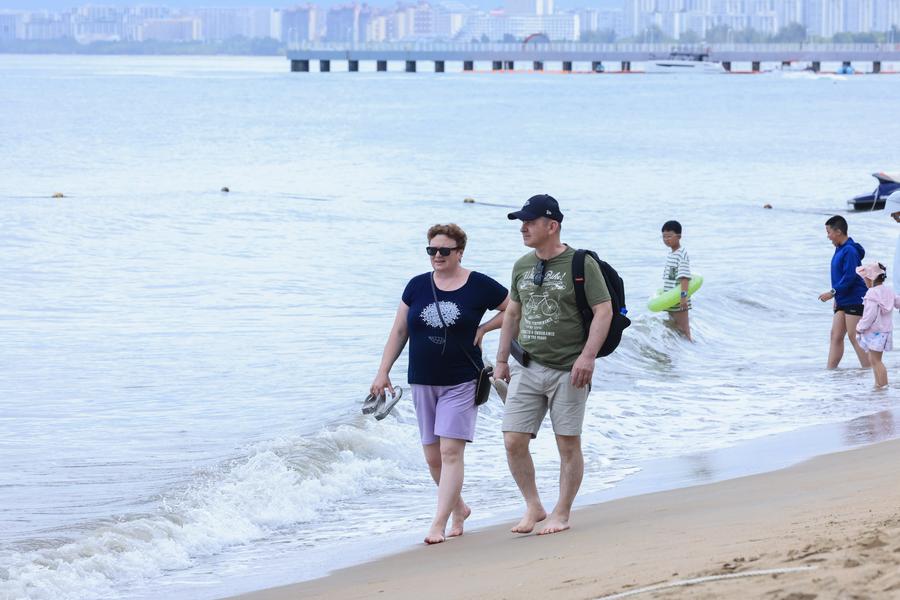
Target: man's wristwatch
<point x="683" y="294"/>
<point x="833" y="293"/>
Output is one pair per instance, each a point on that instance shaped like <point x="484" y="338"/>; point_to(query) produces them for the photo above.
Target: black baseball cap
<point x="542" y="205"/>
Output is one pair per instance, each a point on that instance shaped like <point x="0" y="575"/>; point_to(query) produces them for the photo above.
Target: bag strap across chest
<point x="437" y="307"/>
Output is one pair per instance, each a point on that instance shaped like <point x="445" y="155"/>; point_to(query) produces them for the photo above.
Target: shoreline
<point x="702" y="503"/>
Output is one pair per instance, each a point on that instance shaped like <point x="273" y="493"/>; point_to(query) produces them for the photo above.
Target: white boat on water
<point x="684" y="62"/>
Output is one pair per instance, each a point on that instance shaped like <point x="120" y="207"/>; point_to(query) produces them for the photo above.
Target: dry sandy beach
<point x="837" y="517"/>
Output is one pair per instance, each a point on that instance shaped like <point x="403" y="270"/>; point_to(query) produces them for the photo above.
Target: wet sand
<point x="837" y="517"/>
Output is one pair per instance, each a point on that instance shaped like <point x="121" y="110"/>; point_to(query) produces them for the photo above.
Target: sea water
<point x="182" y="368"/>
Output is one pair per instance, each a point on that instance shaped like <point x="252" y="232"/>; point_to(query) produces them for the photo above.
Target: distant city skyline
<point x="687" y="21"/>
<point x="69" y="4"/>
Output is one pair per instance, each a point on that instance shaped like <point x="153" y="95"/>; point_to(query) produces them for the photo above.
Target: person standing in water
<point x="677" y="273"/>
<point x="847" y="291"/>
<point x="442" y="377"/>
<point x="874" y="332"/>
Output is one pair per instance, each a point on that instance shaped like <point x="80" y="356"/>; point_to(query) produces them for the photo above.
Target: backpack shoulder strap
<point x="578" y="278"/>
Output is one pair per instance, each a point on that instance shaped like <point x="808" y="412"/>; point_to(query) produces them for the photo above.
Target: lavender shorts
<point x="445" y="411"/>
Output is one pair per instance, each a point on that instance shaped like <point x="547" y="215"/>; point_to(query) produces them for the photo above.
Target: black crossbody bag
<point x="483" y="386"/>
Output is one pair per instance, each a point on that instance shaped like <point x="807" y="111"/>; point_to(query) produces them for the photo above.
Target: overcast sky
<point x="66" y="4"/>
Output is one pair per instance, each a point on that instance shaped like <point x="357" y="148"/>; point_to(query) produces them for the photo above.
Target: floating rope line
<point x="686" y="582"/>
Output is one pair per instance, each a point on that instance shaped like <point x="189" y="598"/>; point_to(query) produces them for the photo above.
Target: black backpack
<point x="617" y="295"/>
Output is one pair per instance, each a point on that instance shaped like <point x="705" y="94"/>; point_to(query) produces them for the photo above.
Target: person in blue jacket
<point x="847" y="291"/>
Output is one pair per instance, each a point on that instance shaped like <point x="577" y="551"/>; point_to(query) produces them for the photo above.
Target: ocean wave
<point x="276" y="484"/>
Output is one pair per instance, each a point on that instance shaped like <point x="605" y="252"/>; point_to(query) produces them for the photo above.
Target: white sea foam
<point x="277" y="484"/>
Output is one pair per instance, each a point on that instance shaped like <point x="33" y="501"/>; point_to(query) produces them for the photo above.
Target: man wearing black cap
<point x="544" y="319"/>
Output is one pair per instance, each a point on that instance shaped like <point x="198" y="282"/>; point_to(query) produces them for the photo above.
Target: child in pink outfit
<point x="874" y="332"/>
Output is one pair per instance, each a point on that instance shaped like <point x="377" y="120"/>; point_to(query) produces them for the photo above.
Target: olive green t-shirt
<point x="550" y="328"/>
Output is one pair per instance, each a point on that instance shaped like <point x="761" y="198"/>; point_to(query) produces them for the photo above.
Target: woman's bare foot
<point x="531" y="518"/>
<point x="456" y="529"/>
<point x="555" y="525"/>
<point x="435" y="535"/>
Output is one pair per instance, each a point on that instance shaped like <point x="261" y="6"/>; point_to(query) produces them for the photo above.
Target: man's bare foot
<point x="531" y="518"/>
<point x="456" y="529"/>
<point x="435" y="535"/>
<point x="554" y="525"/>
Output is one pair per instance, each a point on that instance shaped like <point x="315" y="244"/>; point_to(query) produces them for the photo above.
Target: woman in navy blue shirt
<point x="442" y="377"/>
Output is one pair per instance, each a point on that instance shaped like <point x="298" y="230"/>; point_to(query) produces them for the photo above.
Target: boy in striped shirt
<point x="677" y="273"/>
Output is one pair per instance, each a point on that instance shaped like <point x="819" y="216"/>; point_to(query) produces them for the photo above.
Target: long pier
<point x="504" y="56"/>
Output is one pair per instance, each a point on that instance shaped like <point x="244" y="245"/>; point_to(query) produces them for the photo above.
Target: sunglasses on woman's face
<point x="432" y="250"/>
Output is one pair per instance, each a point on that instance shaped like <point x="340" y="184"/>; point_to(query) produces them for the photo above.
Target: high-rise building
<point x="423" y="21"/>
<point x="636" y="15"/>
<point x="886" y="16"/>
<point x="447" y="24"/>
<point x="698" y="22"/>
<point x="558" y="27"/>
<point x="9" y="25"/>
<point x="698" y="6"/>
<point x="342" y="24"/>
<point x="44" y="26"/>
<point x="399" y="25"/>
<point x="789" y="11"/>
<point x="299" y="24"/>
<point x="589" y="19"/>
<point x="218" y="23"/>
<point x="728" y="7"/>
<point x="859" y="16"/>
<point x="672" y="23"/>
<point x="97" y="23"/>
<point x="377" y="28"/>
<point x="669" y="6"/>
<point x="529" y="7"/>
<point x="824" y="17"/>
<point x="180" y="29"/>
<point x="255" y="22"/>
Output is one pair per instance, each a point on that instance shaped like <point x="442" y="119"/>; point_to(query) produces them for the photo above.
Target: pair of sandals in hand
<point x="380" y="405"/>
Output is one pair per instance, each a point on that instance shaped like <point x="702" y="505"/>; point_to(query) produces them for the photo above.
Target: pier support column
<point x="754" y="66"/>
<point x="597" y="66"/>
<point x="726" y="64"/>
<point x="626" y="66"/>
<point x="410" y="66"/>
<point x="876" y="68"/>
<point x="353" y="66"/>
<point x="468" y="65"/>
<point x="300" y="66"/>
<point x="538" y="65"/>
<point x="381" y="65"/>
<point x="567" y="66"/>
<point x="510" y="65"/>
<point x="438" y="66"/>
<point x="816" y="66"/>
<point x="497" y="65"/>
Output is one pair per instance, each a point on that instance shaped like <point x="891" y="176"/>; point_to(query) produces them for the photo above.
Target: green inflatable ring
<point x="670" y="299"/>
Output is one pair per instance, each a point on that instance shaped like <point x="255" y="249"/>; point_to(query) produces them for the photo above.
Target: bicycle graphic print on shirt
<point x="540" y="307"/>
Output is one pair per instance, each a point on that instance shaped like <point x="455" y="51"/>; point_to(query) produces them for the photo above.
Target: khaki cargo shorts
<point x="534" y="390"/>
